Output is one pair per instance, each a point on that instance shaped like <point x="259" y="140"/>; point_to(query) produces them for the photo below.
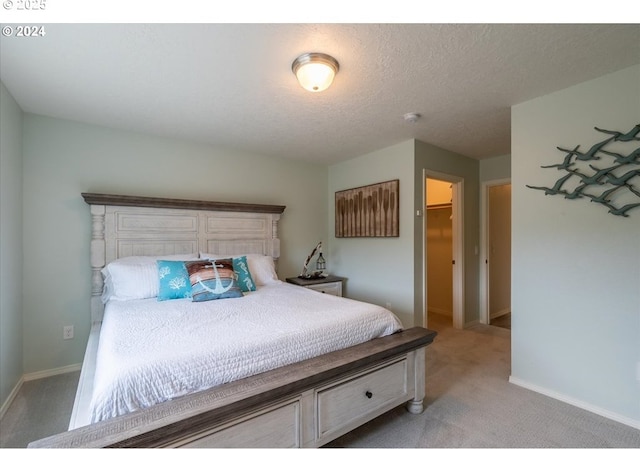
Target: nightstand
<point x="331" y="285"/>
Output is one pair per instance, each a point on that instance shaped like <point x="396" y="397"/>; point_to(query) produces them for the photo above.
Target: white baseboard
<point x="443" y="312"/>
<point x="576" y="402"/>
<point x="52" y="372"/>
<point x="33" y="376"/>
<point x="471" y="324"/>
<point x="10" y="398"/>
<point x="500" y="313"/>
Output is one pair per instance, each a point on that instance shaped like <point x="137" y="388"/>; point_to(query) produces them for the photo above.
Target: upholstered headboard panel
<point x="140" y="226"/>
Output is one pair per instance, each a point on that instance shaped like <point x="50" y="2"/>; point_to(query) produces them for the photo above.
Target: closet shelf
<point x="438" y="206"/>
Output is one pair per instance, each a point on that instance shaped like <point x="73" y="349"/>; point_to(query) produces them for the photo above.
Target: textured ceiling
<point x="231" y="85"/>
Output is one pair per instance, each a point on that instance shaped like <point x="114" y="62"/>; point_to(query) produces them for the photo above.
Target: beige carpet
<point x="470" y="403"/>
<point x="41" y="408"/>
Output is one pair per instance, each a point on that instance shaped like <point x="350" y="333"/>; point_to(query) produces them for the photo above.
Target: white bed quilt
<point x="150" y="352"/>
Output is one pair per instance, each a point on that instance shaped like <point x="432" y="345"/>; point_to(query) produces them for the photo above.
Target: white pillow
<point x="262" y="268"/>
<point x="135" y="277"/>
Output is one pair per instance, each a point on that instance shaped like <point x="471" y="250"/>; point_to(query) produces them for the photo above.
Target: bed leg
<point x="416" y="405"/>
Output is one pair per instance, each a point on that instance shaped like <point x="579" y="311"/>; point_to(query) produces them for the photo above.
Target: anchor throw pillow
<point x="212" y="279"/>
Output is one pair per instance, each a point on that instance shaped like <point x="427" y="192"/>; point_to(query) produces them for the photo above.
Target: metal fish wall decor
<point x="610" y="181"/>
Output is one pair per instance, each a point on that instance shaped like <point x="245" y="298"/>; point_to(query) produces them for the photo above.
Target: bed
<point x="318" y="375"/>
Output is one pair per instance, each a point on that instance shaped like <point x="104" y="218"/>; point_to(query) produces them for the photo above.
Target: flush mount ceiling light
<point x="315" y="71"/>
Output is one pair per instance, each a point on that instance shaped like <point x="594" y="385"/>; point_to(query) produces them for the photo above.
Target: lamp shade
<point x="315" y="71"/>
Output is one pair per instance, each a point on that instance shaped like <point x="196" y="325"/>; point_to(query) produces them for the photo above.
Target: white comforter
<point x="150" y="351"/>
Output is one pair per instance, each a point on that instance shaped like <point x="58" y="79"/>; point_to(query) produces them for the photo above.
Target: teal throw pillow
<point x="241" y="268"/>
<point x="174" y="280"/>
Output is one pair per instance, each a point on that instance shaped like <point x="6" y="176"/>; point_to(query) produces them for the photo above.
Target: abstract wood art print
<point x="613" y="181"/>
<point x="369" y="211"/>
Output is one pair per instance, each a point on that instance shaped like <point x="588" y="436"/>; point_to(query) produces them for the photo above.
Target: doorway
<point x="442" y="236"/>
<point x="439" y="237"/>
<point x="496" y="291"/>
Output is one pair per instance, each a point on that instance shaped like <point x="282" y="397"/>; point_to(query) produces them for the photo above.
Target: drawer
<point x="330" y="288"/>
<point x="278" y="426"/>
<point x="352" y="401"/>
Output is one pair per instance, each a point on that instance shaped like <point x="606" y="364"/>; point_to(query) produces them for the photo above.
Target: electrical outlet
<point x="67" y="332"/>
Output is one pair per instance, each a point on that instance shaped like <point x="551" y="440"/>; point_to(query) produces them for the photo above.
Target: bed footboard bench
<point x="307" y="404"/>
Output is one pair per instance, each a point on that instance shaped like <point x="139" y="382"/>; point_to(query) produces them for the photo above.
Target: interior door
<point x="499" y="250"/>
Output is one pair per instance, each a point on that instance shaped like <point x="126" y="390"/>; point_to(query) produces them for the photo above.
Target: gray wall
<point x="11" y="366"/>
<point x="575" y="267"/>
<point x="64" y="158"/>
<point x="362" y="259"/>
<point x="379" y="269"/>
<point x="495" y="168"/>
<point x="429" y="157"/>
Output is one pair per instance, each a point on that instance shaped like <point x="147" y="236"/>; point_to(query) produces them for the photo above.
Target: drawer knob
<point x="369" y="394"/>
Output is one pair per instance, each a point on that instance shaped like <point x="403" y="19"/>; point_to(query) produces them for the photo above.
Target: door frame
<point x="484" y="245"/>
<point x="457" y="210"/>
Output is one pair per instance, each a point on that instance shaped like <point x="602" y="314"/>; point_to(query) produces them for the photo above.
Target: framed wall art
<point x="368" y="211"/>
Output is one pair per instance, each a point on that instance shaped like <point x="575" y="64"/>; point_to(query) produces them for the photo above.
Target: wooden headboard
<point x="141" y="226"/>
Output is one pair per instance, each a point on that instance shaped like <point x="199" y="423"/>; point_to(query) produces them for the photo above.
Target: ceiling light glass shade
<point x="315" y="71"/>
